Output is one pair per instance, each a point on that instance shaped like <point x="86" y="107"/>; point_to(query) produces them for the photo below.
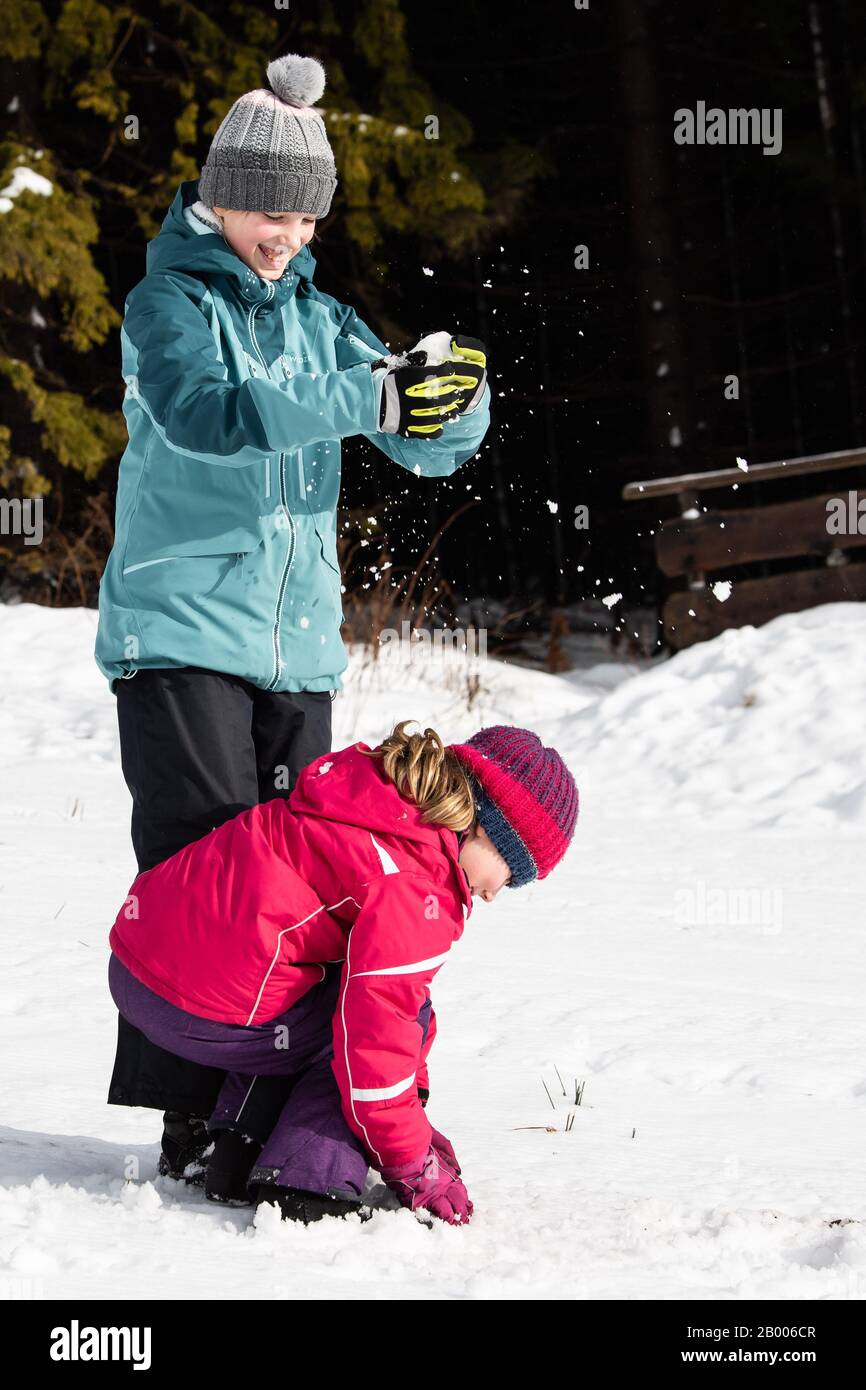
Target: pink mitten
<point x="430" y="1182"/>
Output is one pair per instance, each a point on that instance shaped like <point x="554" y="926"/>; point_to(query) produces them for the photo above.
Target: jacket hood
<point x="177" y="246"/>
<point x="352" y="789"/>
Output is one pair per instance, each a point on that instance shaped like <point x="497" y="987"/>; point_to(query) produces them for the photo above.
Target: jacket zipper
<point x="290" y="552"/>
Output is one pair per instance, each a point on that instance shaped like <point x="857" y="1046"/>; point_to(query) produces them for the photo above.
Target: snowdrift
<point x="760" y="726"/>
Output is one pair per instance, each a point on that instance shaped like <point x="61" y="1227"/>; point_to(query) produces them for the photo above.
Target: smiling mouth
<point x="273" y="255"/>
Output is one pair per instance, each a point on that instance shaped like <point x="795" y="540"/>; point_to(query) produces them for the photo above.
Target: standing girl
<point x="220" y="606"/>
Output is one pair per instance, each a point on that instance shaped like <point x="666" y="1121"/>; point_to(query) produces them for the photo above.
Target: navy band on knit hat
<point x="505" y="838"/>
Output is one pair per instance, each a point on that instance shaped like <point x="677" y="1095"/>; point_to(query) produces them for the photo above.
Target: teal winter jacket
<point x="238" y="393"/>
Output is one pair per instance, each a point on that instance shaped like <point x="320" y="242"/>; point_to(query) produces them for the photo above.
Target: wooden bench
<point x="705" y="545"/>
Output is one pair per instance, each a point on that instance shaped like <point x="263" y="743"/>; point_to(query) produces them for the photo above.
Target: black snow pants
<point x="198" y="747"/>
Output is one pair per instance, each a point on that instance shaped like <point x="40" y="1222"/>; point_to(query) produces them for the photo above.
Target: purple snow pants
<point x="280" y="1090"/>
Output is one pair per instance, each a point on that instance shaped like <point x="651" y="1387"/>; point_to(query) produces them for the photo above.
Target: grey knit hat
<point x="271" y="152"/>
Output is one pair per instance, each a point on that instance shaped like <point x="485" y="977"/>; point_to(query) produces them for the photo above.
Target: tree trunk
<point x="661" y="330"/>
<point x="828" y="120"/>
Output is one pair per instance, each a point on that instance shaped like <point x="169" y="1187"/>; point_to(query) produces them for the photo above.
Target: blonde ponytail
<point x="422" y="768"/>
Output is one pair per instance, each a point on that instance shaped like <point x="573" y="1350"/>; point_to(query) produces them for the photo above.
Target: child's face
<point x="283" y="232"/>
<point x="484" y="866"/>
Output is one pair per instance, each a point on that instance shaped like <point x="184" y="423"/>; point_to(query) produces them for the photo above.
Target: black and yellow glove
<point x="443" y="376"/>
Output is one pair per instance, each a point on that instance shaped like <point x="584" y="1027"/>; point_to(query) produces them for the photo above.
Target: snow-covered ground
<point x="697" y="961"/>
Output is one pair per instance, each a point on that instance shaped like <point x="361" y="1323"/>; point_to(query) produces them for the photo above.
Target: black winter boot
<point x="185" y="1143"/>
<point x="297" y="1205"/>
<point x="229" y="1167"/>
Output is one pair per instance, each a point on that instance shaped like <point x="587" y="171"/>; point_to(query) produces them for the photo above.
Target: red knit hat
<point x="525" y="797"/>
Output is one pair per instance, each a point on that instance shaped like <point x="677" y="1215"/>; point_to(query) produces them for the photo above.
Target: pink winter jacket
<point x="235" y="927"/>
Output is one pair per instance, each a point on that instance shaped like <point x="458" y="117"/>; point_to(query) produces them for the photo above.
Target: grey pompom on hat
<point x="271" y="151"/>
<point x="299" y="81"/>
